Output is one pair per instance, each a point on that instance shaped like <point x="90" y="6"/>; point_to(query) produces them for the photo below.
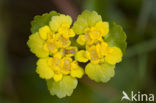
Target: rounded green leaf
<point x="100" y="72"/>
<point x="62" y="88"/>
<point x="42" y="20"/>
<point x="86" y="19"/>
<point x="116" y="36"/>
<point x="36" y="44"/>
<point x="57" y="21"/>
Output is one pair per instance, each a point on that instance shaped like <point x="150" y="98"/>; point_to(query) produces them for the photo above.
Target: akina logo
<point x="137" y="96"/>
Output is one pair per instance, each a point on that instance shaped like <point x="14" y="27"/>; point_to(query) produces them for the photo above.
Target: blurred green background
<point x="19" y="82"/>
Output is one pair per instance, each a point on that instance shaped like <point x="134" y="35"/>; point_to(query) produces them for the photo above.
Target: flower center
<point x="98" y="51"/>
<point x="60" y="66"/>
<point x="92" y="35"/>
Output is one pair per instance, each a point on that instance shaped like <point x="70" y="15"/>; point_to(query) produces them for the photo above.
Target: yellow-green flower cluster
<point x="97" y="50"/>
<point x="52" y="45"/>
<point x="92" y="37"/>
<point x="53" y="42"/>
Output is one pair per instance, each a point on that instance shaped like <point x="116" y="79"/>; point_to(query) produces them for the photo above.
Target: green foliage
<point x="116" y="36"/>
<point x="63" y="87"/>
<point x="42" y="20"/>
<point x="36" y="45"/>
<point x="100" y="73"/>
<point x="86" y="19"/>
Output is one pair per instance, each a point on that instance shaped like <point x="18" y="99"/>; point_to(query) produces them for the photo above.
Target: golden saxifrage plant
<point x="61" y="47"/>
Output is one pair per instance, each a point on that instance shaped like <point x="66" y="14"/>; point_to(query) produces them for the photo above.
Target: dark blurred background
<point x="19" y="82"/>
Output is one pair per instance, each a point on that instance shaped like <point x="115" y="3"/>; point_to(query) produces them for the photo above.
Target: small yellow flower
<point x="97" y="49"/>
<point x="59" y="66"/>
<point x="53" y="37"/>
<point x="93" y="34"/>
<point x="99" y="53"/>
<point x="52" y="45"/>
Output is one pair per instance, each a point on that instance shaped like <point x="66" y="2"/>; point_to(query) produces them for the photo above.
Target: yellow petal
<point x="114" y="56"/>
<point x="71" y="33"/>
<point x="77" y="72"/>
<point x="95" y="61"/>
<point x="103" y="48"/>
<point x="81" y="40"/>
<point x="103" y="27"/>
<point x="81" y="56"/>
<point x="57" y="77"/>
<point x="44" y="31"/>
<point x="43" y="69"/>
<point x="58" y="55"/>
